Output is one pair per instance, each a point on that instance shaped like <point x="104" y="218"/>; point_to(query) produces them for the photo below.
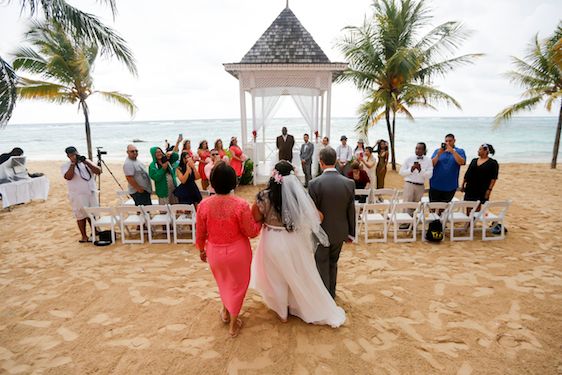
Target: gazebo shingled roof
<point x="286" y="41"/>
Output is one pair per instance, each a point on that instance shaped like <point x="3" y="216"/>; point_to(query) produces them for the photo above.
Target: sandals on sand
<point x="239" y="325"/>
<point x="222" y="314"/>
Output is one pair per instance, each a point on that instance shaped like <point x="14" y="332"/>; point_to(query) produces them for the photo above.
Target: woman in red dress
<point x="224" y="224"/>
<point x="236" y="157"/>
<point x="220" y="148"/>
<point x="204" y="154"/>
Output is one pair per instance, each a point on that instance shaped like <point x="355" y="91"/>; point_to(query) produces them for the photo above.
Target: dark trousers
<point x="441" y="196"/>
<point x="327" y="264"/>
<point x="142" y="199"/>
<point x="307" y="170"/>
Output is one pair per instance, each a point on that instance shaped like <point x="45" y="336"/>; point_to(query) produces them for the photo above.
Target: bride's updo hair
<point x="283" y="168"/>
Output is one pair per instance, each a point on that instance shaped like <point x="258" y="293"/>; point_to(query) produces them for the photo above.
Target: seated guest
<point x="481" y="176"/>
<point x="361" y="180"/>
<point x="140" y="186"/>
<point x="15" y="152"/>
<point x="162" y="172"/>
<point x="187" y="191"/>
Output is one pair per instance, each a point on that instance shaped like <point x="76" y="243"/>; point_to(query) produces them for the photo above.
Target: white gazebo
<point x="284" y="61"/>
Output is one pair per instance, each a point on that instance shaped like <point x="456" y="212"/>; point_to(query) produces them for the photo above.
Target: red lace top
<point x="224" y="219"/>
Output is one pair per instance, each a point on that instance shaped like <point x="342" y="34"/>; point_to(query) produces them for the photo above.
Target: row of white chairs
<point x="392" y="214"/>
<point x="173" y="220"/>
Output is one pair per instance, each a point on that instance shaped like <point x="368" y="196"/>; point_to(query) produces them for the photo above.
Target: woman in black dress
<point x="481" y="176"/>
<point x="187" y="191"/>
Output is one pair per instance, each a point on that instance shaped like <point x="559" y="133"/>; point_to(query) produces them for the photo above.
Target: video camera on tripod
<point x="100" y="152"/>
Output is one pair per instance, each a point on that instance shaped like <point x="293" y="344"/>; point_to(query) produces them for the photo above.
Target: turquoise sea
<point x="524" y="139"/>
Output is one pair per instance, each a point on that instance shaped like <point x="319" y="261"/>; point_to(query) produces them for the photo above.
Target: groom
<point x="333" y="195"/>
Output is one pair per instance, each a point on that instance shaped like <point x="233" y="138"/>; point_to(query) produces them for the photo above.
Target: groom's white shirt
<point x="335" y="170"/>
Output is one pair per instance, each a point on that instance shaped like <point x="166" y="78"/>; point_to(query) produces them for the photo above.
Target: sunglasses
<point x="134" y="151"/>
<point x="214" y="154"/>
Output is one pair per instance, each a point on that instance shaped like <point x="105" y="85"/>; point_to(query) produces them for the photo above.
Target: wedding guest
<point x="162" y="172"/>
<point x="140" y="186"/>
<point x="359" y="149"/>
<point x="447" y="161"/>
<point x="224" y="224"/>
<point x="344" y="154"/>
<point x="416" y="170"/>
<point x="174" y="149"/>
<point x="237" y="155"/>
<point x="79" y="175"/>
<point x="215" y="158"/>
<point x="219" y="147"/>
<point x="481" y="176"/>
<point x="285" y="143"/>
<point x="369" y="164"/>
<point x="203" y="154"/>
<point x="382" y="155"/>
<point x="307" y="151"/>
<point x="187" y="191"/>
<point x="361" y="180"/>
<point x="187" y="148"/>
<point x="325" y="143"/>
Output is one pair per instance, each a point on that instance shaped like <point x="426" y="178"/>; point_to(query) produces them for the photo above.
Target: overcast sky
<point x="180" y="47"/>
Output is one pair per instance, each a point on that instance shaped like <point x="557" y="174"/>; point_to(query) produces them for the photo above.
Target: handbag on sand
<point x="434" y="231"/>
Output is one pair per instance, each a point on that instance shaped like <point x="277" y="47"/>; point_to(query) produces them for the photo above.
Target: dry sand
<point x="462" y="308"/>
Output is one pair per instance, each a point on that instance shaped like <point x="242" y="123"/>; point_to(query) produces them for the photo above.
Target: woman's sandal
<point x="222" y="314"/>
<point x="239" y="325"/>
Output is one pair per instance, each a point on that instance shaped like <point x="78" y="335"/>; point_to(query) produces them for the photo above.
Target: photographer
<point x="162" y="172"/>
<point x="79" y="175"/>
<point x="447" y="161"/>
<point x="416" y="170"/>
<point x="140" y="186"/>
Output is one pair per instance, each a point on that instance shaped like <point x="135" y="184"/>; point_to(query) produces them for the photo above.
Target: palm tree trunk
<point x="388" y="127"/>
<point x="393" y="160"/>
<point x="557" y="140"/>
<point x="88" y="133"/>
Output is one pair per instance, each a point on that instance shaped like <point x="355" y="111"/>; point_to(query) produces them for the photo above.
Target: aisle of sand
<point x="462" y="308"/>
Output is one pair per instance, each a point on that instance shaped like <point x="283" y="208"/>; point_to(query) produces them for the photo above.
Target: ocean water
<point x="524" y="139"/>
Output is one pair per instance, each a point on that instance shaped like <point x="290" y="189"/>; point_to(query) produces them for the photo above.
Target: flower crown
<point x="277" y="177"/>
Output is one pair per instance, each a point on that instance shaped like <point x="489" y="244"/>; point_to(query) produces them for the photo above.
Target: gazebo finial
<point x="287" y="4"/>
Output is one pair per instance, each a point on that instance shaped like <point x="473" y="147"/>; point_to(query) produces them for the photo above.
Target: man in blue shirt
<point x="447" y="161"/>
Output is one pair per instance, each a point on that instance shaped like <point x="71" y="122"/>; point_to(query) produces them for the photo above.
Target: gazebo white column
<point x="329" y="111"/>
<point x="243" y="117"/>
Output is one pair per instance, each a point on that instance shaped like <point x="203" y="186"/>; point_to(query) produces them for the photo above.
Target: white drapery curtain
<point x="266" y="101"/>
<point x="307" y="103"/>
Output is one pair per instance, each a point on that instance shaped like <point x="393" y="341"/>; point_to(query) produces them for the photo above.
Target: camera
<point x="164" y="159"/>
<point x="80" y="158"/>
<point x="443" y="146"/>
<point x="100" y="152"/>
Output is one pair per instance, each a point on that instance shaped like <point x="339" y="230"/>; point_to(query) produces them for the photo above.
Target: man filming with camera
<point x="79" y="175"/>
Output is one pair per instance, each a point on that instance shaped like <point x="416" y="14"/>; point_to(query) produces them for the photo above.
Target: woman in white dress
<point x="369" y="163"/>
<point x="283" y="269"/>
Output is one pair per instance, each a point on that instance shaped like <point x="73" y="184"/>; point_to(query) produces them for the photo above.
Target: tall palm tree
<point x="540" y="74"/>
<point x="81" y="25"/>
<point x="394" y="66"/>
<point x="66" y="65"/>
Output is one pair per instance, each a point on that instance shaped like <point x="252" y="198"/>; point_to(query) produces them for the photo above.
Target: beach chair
<point x="359" y="209"/>
<point x="183" y="215"/>
<point x="157" y="215"/>
<point x="131" y="216"/>
<point x="124" y="198"/>
<point x="102" y="217"/>
<point x="457" y="215"/>
<point x="431" y="211"/>
<point x="492" y="212"/>
<point x="375" y="214"/>
<point x="401" y="215"/>
<point x="384" y="195"/>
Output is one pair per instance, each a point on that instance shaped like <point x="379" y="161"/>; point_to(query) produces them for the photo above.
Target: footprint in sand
<point x="236" y="366"/>
<point x="168" y="301"/>
<point x="100" y="285"/>
<point x="136" y="296"/>
<point x="42" y="342"/>
<point x="482" y="292"/>
<point x="64" y="314"/>
<point x="103" y="319"/>
<point x="173" y="328"/>
<point x="466" y="369"/>
<point x="36" y="323"/>
<point x="134" y="343"/>
<point x="13" y="368"/>
<point x="390" y="294"/>
<point x="195" y="346"/>
<point x="67" y="334"/>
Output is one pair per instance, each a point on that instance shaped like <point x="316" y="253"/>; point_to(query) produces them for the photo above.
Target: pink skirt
<point x="230" y="264"/>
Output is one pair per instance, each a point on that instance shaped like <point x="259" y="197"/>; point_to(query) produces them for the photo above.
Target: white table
<point x="23" y="191"/>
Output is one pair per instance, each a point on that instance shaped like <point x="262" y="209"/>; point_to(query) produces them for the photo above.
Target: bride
<point x="283" y="270"/>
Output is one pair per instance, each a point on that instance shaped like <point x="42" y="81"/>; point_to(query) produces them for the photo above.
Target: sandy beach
<point x="451" y="308"/>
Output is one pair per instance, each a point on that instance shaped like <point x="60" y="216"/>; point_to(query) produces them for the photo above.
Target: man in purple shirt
<point x="447" y="161"/>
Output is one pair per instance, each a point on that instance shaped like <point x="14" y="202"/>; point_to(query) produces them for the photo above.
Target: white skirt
<point x="284" y="273"/>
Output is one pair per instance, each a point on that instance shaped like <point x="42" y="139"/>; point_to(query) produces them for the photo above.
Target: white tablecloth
<point x="24" y="190"/>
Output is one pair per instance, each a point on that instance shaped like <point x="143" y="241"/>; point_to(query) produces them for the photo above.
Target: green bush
<point x="248" y="175"/>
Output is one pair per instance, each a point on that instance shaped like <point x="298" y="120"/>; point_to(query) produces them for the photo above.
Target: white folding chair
<point x="375" y="214"/>
<point x="490" y="212"/>
<point x="401" y="215"/>
<point x="102" y="217"/>
<point x="432" y="211"/>
<point x="457" y="214"/>
<point x="157" y="215"/>
<point x="124" y="198"/>
<point x="399" y="196"/>
<point x="384" y="195"/>
<point x="131" y="216"/>
<point x="359" y="209"/>
<point x="183" y="215"/>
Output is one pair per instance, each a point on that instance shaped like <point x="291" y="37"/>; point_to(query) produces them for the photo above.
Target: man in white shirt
<point x="344" y="154"/>
<point x="416" y="170"/>
<point x="79" y="175"/>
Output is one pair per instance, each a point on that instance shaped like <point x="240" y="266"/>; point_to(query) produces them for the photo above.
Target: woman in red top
<point x="187" y="148"/>
<point x="236" y="156"/>
<point x="220" y="148"/>
<point x="203" y="153"/>
<point x="224" y="223"/>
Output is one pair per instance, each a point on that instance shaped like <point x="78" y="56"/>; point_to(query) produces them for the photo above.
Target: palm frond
<point x="124" y="100"/>
<point x="8" y="92"/>
<point x="28" y="60"/>
<point x="443" y="67"/>
<point x="47" y="91"/>
<point x="508" y="112"/>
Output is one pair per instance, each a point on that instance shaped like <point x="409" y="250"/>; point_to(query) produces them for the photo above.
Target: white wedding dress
<point x="283" y="268"/>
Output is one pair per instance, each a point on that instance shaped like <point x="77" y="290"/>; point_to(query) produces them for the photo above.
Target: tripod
<point x="100" y="162"/>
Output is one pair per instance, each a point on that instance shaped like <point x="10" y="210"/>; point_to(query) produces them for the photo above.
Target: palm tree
<point x="540" y="74"/>
<point x="394" y="66"/>
<point x="82" y="26"/>
<point x="66" y="65"/>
